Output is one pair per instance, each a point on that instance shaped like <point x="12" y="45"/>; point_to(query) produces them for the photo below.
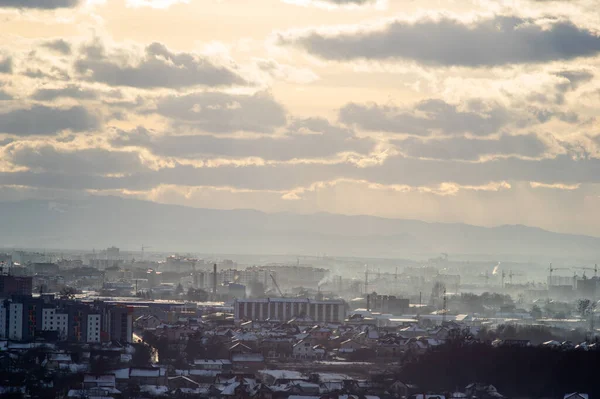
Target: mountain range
<point x="101" y="221"/>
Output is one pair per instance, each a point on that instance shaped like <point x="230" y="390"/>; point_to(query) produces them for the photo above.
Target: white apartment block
<point x="62" y="325"/>
<point x="93" y="328"/>
<point x="48" y="315"/>
<point x="3" y="315"/>
<point x="53" y="321"/>
<point x="15" y="321"/>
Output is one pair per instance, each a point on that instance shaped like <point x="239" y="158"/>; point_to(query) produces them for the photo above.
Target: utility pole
<point x="444" y="309"/>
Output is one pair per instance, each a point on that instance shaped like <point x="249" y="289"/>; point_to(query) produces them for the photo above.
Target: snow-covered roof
<point x="60" y="357"/>
<point x="99" y="378"/>
<point x="154" y="390"/>
<point x="283" y="374"/>
<point x="229" y="390"/>
<point x="302" y="397"/>
<point x="203" y="362"/>
<point x="121" y="374"/>
<point x="247" y="357"/>
<point x="146" y="372"/>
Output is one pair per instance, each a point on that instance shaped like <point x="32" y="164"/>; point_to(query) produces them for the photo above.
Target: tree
<point x="142" y="356"/>
<point x="179" y="289"/>
<point x="536" y="312"/>
<point x="68" y="292"/>
<point x="585" y="307"/>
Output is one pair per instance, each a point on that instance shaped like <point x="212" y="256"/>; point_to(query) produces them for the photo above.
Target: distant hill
<point x="98" y="222"/>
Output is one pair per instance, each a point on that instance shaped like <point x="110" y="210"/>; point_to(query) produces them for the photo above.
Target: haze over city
<point x="299" y="199"/>
<point x="477" y="112"/>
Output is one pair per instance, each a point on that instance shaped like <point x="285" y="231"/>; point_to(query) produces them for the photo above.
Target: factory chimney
<point x="368" y="302"/>
<point x="215" y="280"/>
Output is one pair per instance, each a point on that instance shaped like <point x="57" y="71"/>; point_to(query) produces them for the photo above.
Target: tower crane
<point x="276" y="285"/>
<point x="595" y="269"/>
<point x="143" y="248"/>
<point x="511" y="274"/>
<point x="551" y="269"/>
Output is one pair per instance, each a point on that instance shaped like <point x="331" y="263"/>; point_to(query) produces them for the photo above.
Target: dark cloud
<point x="70" y="91"/>
<point x="92" y="161"/>
<point x="574" y="80"/>
<point x="425" y="118"/>
<point x="40" y="4"/>
<point x="53" y="73"/>
<point x="304" y="139"/>
<point x="158" y="67"/>
<point x="461" y="148"/>
<point x="6" y="65"/>
<point x="59" y="45"/>
<point x="221" y="112"/>
<point x="394" y="170"/>
<point x="447" y="42"/>
<point x="43" y="120"/>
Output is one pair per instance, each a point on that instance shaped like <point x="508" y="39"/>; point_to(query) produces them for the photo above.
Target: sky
<point x="473" y="111"/>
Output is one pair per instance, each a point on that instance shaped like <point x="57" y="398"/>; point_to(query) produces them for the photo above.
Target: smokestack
<point x="215" y="280"/>
<point x="368" y="302"/>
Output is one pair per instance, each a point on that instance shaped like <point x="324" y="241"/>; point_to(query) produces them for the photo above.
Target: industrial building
<point x="283" y="309"/>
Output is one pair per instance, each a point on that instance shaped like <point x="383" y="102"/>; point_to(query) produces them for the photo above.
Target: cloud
<point x="6" y="65"/>
<point x="156" y="67"/>
<point x="334" y="3"/>
<point x="40" y="4"/>
<point x="59" y="45"/>
<point x="286" y="72"/>
<point x="4" y="96"/>
<point x="220" y="112"/>
<point x="304" y="139"/>
<point x="449" y="42"/>
<point x="160" y="4"/>
<point x="426" y="117"/>
<point x="461" y="148"/>
<point x="555" y="186"/>
<point x="70" y="91"/>
<point x="43" y="120"/>
<point x="91" y="161"/>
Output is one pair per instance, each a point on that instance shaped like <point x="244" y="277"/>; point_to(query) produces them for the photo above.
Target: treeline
<point x="536" y="334"/>
<point x="514" y="371"/>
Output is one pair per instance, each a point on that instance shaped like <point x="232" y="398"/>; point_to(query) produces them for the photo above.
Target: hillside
<point x="103" y="221"/>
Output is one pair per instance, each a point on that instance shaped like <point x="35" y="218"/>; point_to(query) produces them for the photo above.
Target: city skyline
<point x="480" y="112"/>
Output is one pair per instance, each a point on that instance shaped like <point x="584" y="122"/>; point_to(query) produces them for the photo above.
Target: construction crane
<point x="511" y="274"/>
<point x="551" y="269"/>
<point x="276" y="285"/>
<point x="595" y="269"/>
<point x="143" y="248"/>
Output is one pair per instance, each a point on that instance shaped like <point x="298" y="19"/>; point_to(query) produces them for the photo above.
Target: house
<point x="245" y="361"/>
<point x="209" y="364"/>
<point x="99" y="381"/>
<point x="148" y="376"/>
<point x="350" y="346"/>
<point x="305" y="350"/>
<point x="57" y="361"/>
<point x="96" y="393"/>
<point x="180" y="381"/>
<point x="576" y="395"/>
<point x="319" y="333"/>
<point x="239" y="348"/>
<point x="399" y="389"/>
<point x="277" y="347"/>
<point x="483" y="391"/>
<point x="147" y="322"/>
